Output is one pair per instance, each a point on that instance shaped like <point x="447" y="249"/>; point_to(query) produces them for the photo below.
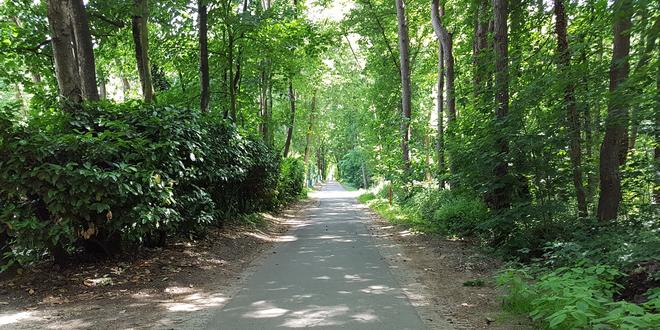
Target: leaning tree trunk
<point x="65" y="60"/>
<point x="572" y="120"/>
<point x="292" y="118"/>
<point x="501" y="197"/>
<point x="203" y="55"/>
<point x="84" y="50"/>
<point x="406" y="103"/>
<point x="615" y="143"/>
<point x="141" y="41"/>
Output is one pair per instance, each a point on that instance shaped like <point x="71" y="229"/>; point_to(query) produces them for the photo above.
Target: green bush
<point x="448" y="212"/>
<point x="132" y="171"/>
<point x="577" y="297"/>
<point x="291" y="182"/>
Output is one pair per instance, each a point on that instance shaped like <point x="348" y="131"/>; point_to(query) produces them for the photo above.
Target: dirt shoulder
<point x="171" y="287"/>
<point x="443" y="278"/>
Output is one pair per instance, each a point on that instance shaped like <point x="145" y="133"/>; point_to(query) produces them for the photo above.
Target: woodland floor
<point x="458" y="277"/>
<point x="184" y="284"/>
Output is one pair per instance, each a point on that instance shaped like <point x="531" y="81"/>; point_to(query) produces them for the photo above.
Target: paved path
<point x="330" y="277"/>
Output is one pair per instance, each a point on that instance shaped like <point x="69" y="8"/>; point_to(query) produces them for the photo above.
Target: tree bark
<point x="447" y="46"/>
<point x="645" y="57"/>
<point x="501" y="198"/>
<point x="656" y="152"/>
<point x="308" y="140"/>
<point x="141" y="41"/>
<point x="65" y="61"/>
<point x="203" y="55"/>
<point x="292" y="118"/>
<point x="572" y="119"/>
<point x="84" y="50"/>
<point x="615" y="143"/>
<point x="406" y="103"/>
<point x="440" y="143"/>
<point x="479" y="45"/>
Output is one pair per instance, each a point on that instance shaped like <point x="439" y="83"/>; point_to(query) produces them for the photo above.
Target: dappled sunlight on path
<point x="329" y="275"/>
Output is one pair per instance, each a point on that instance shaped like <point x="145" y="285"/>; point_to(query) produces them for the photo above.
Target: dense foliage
<point x="133" y="172"/>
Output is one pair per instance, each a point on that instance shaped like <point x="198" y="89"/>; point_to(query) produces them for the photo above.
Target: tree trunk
<point x="440" y="143"/>
<point x="406" y="103"/>
<point x="203" y="55"/>
<point x="141" y="41"/>
<point x="447" y="46"/>
<point x="103" y="92"/>
<point x="479" y="45"/>
<point x="308" y="140"/>
<point x="292" y="118"/>
<point x="656" y="152"/>
<point x="572" y="119"/>
<point x="501" y="198"/>
<point x="645" y="57"/>
<point x="615" y="143"/>
<point x="84" y="50"/>
<point x="65" y="61"/>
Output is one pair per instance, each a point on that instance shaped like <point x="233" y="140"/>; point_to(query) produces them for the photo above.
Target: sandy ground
<point x="434" y="270"/>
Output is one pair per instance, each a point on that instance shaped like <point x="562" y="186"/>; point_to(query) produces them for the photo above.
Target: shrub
<point x="132" y="171"/>
<point x="291" y="181"/>
<point x="448" y="212"/>
<point x="575" y="298"/>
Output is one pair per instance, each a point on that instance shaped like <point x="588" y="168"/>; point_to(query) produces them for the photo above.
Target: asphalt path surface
<point x="329" y="275"/>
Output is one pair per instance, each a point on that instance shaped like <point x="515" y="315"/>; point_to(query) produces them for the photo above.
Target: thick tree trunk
<point x="292" y="118"/>
<point x="572" y="120"/>
<point x="615" y="143"/>
<point x="447" y="46"/>
<point x="141" y="41"/>
<point x="501" y="198"/>
<point x="65" y="60"/>
<point x="84" y="50"/>
<point x="203" y="55"/>
<point x="406" y="103"/>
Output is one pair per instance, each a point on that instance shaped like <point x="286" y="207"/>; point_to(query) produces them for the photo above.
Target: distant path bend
<point x="329" y="276"/>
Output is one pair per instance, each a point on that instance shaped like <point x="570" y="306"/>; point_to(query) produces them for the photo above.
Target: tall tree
<point x="63" y="55"/>
<point x="292" y="118"/>
<point x="440" y="142"/>
<point x="84" y="50"/>
<point x="406" y="101"/>
<point x="203" y="55"/>
<point x="615" y="143"/>
<point x="308" y="138"/>
<point x="141" y="41"/>
<point x="502" y="191"/>
<point x="479" y="45"/>
<point x="447" y="46"/>
<point x="572" y="119"/>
